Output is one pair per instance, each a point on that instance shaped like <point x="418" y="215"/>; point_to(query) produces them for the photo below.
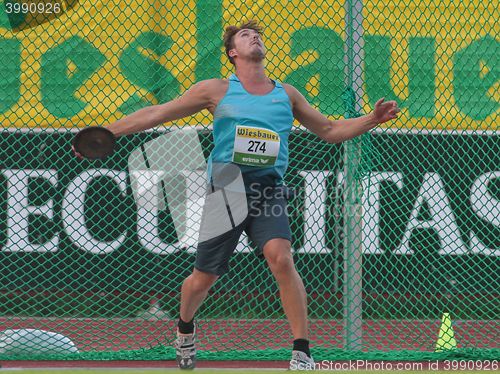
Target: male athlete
<point x="253" y="116"/>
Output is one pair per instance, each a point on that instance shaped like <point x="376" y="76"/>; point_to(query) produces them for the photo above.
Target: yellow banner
<point x="97" y="61"/>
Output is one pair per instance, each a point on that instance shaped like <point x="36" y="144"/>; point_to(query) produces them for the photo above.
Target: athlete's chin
<point x="258" y="56"/>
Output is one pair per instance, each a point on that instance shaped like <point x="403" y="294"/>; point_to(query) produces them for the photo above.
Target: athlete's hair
<point x="232" y="30"/>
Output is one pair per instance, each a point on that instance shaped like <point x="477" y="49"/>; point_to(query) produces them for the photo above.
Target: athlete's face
<point x="248" y="44"/>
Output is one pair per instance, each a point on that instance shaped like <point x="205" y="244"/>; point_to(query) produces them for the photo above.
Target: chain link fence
<point x="390" y="230"/>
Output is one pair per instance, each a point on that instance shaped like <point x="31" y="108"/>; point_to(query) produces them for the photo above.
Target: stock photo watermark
<point x="428" y="365"/>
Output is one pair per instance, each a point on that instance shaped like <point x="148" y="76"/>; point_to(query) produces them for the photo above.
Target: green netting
<point x="160" y="353"/>
<point x="390" y="231"/>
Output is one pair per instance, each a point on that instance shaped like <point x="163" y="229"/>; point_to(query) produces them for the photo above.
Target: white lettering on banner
<point x="195" y="199"/>
<point x="431" y="192"/>
<point x="314" y="212"/>
<point x="243" y="245"/>
<point x="371" y="208"/>
<point x="486" y="207"/>
<point x="483" y="204"/>
<point x="370" y="203"/>
<point x="479" y="248"/>
<point x="147" y="217"/>
<point x="443" y="220"/>
<point x="145" y="187"/>
<point x="73" y="212"/>
<point x="147" y="231"/>
<point x="18" y="211"/>
<point x="147" y="220"/>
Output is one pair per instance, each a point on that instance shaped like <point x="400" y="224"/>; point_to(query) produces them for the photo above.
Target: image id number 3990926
<point x="34" y="6"/>
<point x="492" y="365"/>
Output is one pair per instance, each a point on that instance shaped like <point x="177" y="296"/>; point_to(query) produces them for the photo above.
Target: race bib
<point x="254" y="146"/>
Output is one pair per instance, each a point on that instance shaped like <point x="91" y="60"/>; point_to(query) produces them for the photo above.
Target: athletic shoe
<point x="301" y="361"/>
<point x="185" y="350"/>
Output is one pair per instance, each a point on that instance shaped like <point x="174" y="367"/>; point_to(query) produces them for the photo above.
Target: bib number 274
<point x="256" y="146"/>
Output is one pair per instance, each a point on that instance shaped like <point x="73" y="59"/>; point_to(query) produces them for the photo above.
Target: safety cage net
<point x="396" y="233"/>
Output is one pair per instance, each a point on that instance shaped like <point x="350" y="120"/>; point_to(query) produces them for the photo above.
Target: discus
<point x="94" y="143"/>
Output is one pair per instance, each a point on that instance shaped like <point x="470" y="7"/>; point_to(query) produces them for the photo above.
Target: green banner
<point x="57" y="212"/>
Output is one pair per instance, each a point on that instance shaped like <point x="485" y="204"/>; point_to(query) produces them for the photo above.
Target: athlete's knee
<point x="279" y="256"/>
<point x="282" y="264"/>
<point x="200" y="281"/>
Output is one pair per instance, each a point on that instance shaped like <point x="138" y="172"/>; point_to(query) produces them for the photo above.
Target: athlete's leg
<point x="212" y="260"/>
<point x="292" y="292"/>
<point x="194" y="291"/>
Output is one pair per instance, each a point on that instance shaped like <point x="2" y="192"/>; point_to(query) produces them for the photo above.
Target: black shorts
<point x="267" y="219"/>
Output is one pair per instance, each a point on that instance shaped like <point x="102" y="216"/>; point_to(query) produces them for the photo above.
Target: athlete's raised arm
<point x="195" y="99"/>
<point x="336" y="131"/>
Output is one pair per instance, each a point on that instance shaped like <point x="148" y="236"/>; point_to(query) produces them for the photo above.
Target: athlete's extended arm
<point x="197" y="98"/>
<point x="336" y="131"/>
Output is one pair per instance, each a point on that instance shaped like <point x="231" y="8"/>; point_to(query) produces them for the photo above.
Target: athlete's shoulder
<point x="210" y="87"/>
<point x="213" y="90"/>
<point x="212" y="84"/>
<point x="291" y="91"/>
<point x="289" y="88"/>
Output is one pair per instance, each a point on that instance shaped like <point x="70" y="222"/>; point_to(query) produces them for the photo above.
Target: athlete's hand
<point x="385" y="111"/>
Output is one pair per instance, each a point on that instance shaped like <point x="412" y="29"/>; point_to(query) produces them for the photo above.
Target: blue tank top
<point x="253" y="130"/>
